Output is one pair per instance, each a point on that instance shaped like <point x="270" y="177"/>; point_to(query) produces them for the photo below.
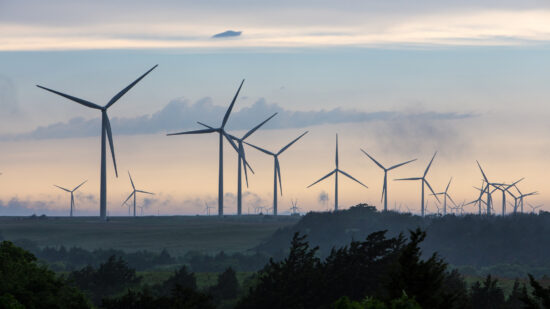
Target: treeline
<point x="379" y="272"/>
<point x="63" y="259"/>
<point x="521" y="240"/>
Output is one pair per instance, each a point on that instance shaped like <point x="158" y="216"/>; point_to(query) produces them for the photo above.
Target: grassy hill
<point x="178" y="234"/>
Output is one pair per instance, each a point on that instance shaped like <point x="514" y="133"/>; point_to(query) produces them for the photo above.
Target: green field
<point x="178" y="234"/>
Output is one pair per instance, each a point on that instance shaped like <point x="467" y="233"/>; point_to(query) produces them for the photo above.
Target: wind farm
<point x="295" y="154"/>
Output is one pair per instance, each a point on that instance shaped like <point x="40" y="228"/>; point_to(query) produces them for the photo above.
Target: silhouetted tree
<point x="424" y="280"/>
<point x="113" y="276"/>
<point x="357" y="270"/>
<point x="25" y="284"/>
<point x="539" y="298"/>
<point x="291" y="283"/>
<point x="227" y="286"/>
<point x="181" y="277"/>
<point x="514" y="299"/>
<point x="487" y="296"/>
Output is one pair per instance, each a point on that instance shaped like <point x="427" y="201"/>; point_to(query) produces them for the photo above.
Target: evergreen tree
<point x="25" y="284"/>
<point x="227" y="286"/>
<point x="487" y="296"/>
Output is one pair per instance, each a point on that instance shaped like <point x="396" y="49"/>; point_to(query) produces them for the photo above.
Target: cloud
<point x="26" y="207"/>
<point x="227" y="34"/>
<point x="9" y="106"/>
<point x="181" y="114"/>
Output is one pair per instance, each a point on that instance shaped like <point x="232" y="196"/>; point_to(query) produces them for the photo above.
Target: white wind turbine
<point x="336" y="171"/>
<point x="105" y="133"/>
<point x="386" y="170"/>
<point x="424" y="182"/>
<point x="277" y="168"/>
<point x="72" y="195"/>
<point x="134" y="193"/>
<point x="222" y="134"/>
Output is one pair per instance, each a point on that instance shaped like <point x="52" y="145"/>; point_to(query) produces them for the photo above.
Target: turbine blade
<point x="290" y="144"/>
<point x="427" y="183"/>
<point x="430" y="164"/>
<point x="194" y="132"/>
<point x="123" y="91"/>
<point x="141" y="191"/>
<point x="129" y="196"/>
<point x="447" y="188"/>
<point x="75" y="99"/>
<point x="513" y="184"/>
<point x="79" y="185"/>
<point x="260" y="149"/>
<point x="63" y="188"/>
<point x="411" y="178"/>
<point x="452" y="200"/>
<point x="205" y="125"/>
<point x="257" y="127"/>
<point x="226" y="117"/>
<point x="131" y="181"/>
<point x="401" y="164"/>
<point x="350" y="177"/>
<point x="279" y="174"/>
<point x="322" y="178"/>
<point x="110" y="136"/>
<point x="482" y="172"/>
<point x="379" y="165"/>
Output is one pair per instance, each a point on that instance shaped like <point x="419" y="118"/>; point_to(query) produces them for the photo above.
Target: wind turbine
<point x="277" y="168"/>
<point x="134" y="193"/>
<point x="533" y="208"/>
<point x="479" y="199"/>
<point x="222" y="133"/>
<point x="522" y="196"/>
<point x="207" y="208"/>
<point x="242" y="160"/>
<point x="424" y="181"/>
<point x="336" y="171"/>
<point x="105" y="133"/>
<point x="487" y="188"/>
<point x="445" y="196"/>
<point x="294" y="209"/>
<point x="386" y="170"/>
<point x="72" y="194"/>
<point x="505" y="188"/>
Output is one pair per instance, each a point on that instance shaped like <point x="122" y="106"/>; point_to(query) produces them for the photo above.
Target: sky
<point x="398" y="79"/>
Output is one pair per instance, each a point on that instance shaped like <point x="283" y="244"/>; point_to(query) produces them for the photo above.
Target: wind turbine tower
<point x="222" y="134"/>
<point x="72" y="195"/>
<point x="386" y="170"/>
<point x="105" y="133"/>
<point x="277" y="168"/>
<point x="134" y="193"/>
<point x="336" y="171"/>
<point x="241" y="163"/>
<point x="423" y="182"/>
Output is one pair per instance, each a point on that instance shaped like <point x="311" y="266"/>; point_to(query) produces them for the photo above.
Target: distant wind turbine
<point x="533" y="208"/>
<point x="487" y="189"/>
<point x="105" y="133"/>
<point x="445" y="196"/>
<point x="222" y="133"/>
<point x="242" y="160"/>
<point x="294" y="209"/>
<point x="424" y="182"/>
<point x="504" y="188"/>
<point x="336" y="171"/>
<point x="134" y="193"/>
<point x="276" y="168"/>
<point x="386" y="170"/>
<point x="72" y="194"/>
